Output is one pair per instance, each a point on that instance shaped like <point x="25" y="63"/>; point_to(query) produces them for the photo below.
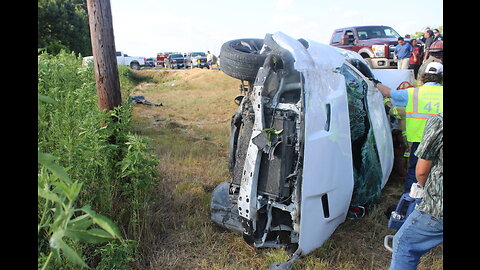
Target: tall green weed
<point x="109" y="174"/>
<point x="60" y="221"/>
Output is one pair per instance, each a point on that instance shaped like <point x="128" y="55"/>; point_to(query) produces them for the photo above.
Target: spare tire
<point x="241" y="58"/>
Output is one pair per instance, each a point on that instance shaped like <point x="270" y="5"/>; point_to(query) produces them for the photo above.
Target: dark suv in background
<point x="175" y="60"/>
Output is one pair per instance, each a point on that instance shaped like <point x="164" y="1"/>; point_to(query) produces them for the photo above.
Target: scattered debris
<point x="202" y="120"/>
<point x="142" y="100"/>
<point x="143" y="86"/>
<point x="160" y="119"/>
<point x="170" y="83"/>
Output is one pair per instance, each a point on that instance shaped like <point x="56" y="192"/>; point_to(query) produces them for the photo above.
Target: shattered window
<point x="366" y="163"/>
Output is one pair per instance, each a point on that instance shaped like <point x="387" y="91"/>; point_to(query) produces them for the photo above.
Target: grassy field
<point x="190" y="134"/>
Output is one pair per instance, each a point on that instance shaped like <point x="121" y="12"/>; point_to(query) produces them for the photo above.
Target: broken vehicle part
<point x="224" y="210"/>
<point x="142" y="100"/>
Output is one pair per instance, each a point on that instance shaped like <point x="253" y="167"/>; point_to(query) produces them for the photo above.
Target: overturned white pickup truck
<point x="134" y="62"/>
<point x="310" y="143"/>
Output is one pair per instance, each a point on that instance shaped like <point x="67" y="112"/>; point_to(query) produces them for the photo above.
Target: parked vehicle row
<point x="181" y="60"/>
<point x="164" y="59"/>
<point x="375" y="43"/>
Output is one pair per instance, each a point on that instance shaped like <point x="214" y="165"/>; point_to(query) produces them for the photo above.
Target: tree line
<point x="63" y="24"/>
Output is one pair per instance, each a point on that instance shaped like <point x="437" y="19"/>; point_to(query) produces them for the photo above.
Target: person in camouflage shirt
<point x="430" y="151"/>
<point x="423" y="229"/>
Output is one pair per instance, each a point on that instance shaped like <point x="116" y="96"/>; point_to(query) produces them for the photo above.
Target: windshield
<point x="198" y="54"/>
<point x="376" y="32"/>
<point x="176" y="55"/>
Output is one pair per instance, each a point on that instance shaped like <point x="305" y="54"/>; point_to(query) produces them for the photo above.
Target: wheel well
<point x="365" y="55"/>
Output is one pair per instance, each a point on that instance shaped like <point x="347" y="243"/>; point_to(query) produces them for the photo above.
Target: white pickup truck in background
<point x="134" y="62"/>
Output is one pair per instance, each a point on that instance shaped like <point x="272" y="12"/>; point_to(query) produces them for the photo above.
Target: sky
<point x="146" y="27"/>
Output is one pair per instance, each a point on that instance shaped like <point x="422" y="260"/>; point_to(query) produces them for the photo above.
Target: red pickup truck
<point x="375" y="43"/>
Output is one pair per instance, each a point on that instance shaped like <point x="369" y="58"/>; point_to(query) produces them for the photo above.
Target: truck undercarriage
<point x="266" y="129"/>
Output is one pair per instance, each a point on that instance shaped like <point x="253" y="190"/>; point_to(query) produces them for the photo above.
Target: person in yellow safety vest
<point x="399" y="113"/>
<point x="420" y="104"/>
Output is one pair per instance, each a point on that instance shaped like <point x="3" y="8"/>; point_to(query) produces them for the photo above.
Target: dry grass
<point x="191" y="141"/>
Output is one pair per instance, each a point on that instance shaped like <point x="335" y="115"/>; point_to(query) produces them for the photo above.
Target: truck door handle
<point x="328" y="112"/>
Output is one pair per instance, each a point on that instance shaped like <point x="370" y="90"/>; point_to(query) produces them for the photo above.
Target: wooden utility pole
<point x="104" y="58"/>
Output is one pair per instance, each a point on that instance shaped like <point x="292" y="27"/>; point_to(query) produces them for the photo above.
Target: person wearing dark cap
<point x="420" y="104"/>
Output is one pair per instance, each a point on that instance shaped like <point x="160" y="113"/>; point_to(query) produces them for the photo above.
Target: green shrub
<point x="60" y="220"/>
<point x="116" y="256"/>
<point x="110" y="173"/>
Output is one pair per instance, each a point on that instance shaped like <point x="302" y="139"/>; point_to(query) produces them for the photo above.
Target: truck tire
<point x="241" y="58"/>
<point x="135" y="65"/>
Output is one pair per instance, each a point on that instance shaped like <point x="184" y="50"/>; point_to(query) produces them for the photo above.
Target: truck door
<point x="120" y="58"/>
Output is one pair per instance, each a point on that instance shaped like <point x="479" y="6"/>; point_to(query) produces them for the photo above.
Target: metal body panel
<point x="381" y="126"/>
